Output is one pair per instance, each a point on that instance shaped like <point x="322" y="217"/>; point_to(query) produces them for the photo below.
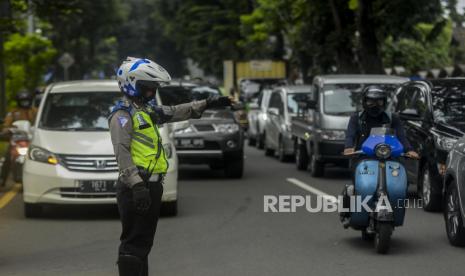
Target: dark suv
<point x="433" y="113"/>
<point x="215" y="139"/>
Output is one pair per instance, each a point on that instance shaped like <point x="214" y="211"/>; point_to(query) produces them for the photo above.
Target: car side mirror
<point x="311" y="104"/>
<point x="253" y="106"/>
<point x="410" y="115"/>
<point x="273" y="111"/>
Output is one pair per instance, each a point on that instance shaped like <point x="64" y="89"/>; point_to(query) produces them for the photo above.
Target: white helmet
<point x="136" y="71"/>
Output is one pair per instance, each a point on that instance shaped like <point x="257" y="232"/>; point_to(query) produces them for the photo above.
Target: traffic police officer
<point x="140" y="155"/>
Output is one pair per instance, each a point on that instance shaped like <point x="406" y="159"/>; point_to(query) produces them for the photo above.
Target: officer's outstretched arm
<point x="186" y="111"/>
<point x="121" y="131"/>
<point x="176" y="113"/>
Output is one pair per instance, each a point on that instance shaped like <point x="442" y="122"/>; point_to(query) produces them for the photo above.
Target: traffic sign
<point x="66" y="60"/>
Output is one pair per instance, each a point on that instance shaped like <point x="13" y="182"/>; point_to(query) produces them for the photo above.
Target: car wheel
<point x="453" y="217"/>
<point x="317" y="168"/>
<point x="268" y="151"/>
<point x="301" y="157"/>
<point x="431" y="201"/>
<point x="234" y="168"/>
<point x="261" y="141"/>
<point x="32" y="210"/>
<point x="252" y="141"/>
<point x="169" y="208"/>
<point x="281" y="153"/>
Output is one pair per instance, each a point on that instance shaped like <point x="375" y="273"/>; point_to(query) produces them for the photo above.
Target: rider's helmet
<point x="24" y="99"/>
<point x="138" y="75"/>
<point x="374" y="100"/>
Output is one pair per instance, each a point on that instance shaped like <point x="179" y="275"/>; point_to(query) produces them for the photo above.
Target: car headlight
<point x="226" y="128"/>
<point x="332" y="134"/>
<point x="186" y="130"/>
<point x="383" y="151"/>
<point x="42" y="155"/>
<point x="445" y="143"/>
<point x="168" y="150"/>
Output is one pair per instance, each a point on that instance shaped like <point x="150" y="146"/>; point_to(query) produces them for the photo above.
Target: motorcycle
<point x="380" y="181"/>
<point x="19" y="139"/>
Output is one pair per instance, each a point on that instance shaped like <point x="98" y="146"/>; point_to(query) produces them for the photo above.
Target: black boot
<point x="129" y="265"/>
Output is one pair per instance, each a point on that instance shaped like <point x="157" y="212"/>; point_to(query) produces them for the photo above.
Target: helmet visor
<point x="147" y="89"/>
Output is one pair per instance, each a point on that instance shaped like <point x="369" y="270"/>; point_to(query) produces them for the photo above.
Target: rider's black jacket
<point x="360" y="125"/>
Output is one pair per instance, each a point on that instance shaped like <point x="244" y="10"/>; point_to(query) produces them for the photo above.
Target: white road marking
<point x="312" y="190"/>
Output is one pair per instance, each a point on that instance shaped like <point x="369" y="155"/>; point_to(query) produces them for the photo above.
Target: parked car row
<point x="309" y="123"/>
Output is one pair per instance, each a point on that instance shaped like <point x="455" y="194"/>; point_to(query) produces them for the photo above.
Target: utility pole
<point x="4" y="15"/>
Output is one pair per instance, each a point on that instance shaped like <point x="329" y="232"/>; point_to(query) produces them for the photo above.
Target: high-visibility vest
<point x="146" y="144"/>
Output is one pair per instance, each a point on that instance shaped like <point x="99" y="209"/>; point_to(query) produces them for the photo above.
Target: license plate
<point x="97" y="186"/>
<point x="189" y="143"/>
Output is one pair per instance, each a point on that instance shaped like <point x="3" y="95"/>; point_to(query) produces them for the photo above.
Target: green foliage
<point x="27" y="58"/>
<point x="424" y="52"/>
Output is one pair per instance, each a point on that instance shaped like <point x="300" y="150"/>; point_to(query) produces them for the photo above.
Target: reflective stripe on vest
<point x="146" y="144"/>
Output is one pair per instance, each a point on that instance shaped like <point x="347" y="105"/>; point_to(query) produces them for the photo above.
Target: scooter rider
<point x="140" y="155"/>
<point x="373" y="115"/>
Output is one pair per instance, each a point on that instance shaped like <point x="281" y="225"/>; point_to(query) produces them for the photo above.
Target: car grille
<point x="88" y="163"/>
<point x="75" y="193"/>
<point x="204" y="128"/>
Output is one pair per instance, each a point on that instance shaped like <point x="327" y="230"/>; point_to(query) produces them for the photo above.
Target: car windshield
<point x="293" y="99"/>
<point x="174" y="95"/>
<point x="78" y="111"/>
<point x="344" y="99"/>
<point x="449" y="102"/>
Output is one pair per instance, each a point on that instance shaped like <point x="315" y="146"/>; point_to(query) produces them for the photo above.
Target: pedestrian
<point x="140" y="155"/>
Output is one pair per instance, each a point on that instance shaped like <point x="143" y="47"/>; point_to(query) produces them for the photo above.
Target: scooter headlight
<point x="383" y="151"/>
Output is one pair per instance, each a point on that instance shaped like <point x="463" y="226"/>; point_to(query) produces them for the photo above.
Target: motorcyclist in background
<point x="140" y="155"/>
<point x="373" y="115"/>
<point x="23" y="110"/>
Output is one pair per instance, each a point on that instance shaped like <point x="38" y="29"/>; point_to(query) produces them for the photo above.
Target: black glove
<point x="218" y="101"/>
<point x="141" y="197"/>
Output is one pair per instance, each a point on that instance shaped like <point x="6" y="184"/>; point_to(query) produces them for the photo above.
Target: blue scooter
<point x="380" y="181"/>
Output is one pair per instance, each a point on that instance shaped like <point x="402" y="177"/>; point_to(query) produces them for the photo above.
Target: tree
<point x="425" y="52"/>
<point x="206" y="31"/>
<point x="27" y="58"/>
<point x="378" y="19"/>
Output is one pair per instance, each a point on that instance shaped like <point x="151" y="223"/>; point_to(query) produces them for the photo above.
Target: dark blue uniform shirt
<point x="356" y="136"/>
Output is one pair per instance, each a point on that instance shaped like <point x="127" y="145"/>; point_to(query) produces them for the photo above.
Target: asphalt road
<point x="222" y="229"/>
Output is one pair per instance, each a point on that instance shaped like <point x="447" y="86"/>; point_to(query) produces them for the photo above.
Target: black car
<point x="215" y="139"/>
<point x="454" y="194"/>
<point x="433" y="113"/>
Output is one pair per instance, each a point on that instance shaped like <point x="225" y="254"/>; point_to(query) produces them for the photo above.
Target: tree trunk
<point x="370" y="57"/>
<point x="343" y="18"/>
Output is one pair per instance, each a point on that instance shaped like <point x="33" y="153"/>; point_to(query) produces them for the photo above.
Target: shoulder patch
<point x="122" y="120"/>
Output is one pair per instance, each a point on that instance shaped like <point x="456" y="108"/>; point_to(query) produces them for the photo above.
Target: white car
<point x="71" y="158"/>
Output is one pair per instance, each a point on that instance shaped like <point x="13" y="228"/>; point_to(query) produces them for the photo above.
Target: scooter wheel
<point x="383" y="238"/>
